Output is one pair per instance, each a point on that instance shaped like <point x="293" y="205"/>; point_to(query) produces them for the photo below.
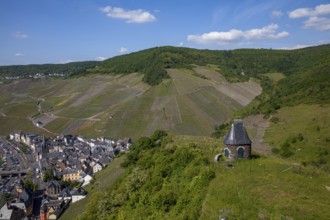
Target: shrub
<point x="165" y="200"/>
<point x="300" y="137"/>
<point x="274" y="120"/>
<point x="275" y="150"/>
<point x="285" y="150"/>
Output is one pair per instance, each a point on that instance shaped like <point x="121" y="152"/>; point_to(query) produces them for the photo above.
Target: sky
<point x="61" y="31"/>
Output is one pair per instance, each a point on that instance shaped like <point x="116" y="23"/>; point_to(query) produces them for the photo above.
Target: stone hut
<point x="237" y="142"/>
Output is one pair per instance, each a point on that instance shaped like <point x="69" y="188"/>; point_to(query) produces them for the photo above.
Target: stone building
<point x="237" y="142"/>
<point x="53" y="188"/>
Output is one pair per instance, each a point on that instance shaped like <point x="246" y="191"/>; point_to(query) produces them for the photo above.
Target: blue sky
<point x="59" y="31"/>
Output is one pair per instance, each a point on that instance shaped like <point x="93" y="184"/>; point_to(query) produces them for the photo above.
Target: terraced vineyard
<point x="190" y="102"/>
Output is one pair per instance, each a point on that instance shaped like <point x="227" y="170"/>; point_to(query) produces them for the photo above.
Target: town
<point x="41" y="176"/>
<point x="35" y="76"/>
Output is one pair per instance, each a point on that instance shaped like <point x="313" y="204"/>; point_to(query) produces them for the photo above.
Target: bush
<point x="275" y="120"/>
<point x="275" y="150"/>
<point x="165" y="200"/>
<point x="285" y="150"/>
<point x="142" y="144"/>
<point x="300" y="137"/>
<point x="220" y="130"/>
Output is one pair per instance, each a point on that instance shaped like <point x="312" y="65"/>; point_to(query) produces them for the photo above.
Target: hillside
<point x="176" y="178"/>
<point x="192" y="91"/>
<point x="189" y="102"/>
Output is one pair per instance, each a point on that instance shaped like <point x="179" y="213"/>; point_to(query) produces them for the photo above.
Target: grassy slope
<point x="312" y="122"/>
<point x="267" y="188"/>
<point x="261" y="188"/>
<point x="272" y="187"/>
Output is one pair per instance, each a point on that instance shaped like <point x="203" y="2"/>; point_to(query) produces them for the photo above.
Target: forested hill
<point x="153" y="62"/>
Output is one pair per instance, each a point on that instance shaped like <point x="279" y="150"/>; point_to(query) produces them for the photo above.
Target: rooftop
<point x="237" y="134"/>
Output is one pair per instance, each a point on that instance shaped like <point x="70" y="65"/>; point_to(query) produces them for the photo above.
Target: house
<point x="53" y="188"/>
<point x="78" y="194"/>
<point x="72" y="195"/>
<point x="65" y="194"/>
<point x="8" y="212"/>
<point x="24" y="199"/>
<point x="39" y="124"/>
<point x="52" y="209"/>
<point x="104" y="161"/>
<point x="237" y="142"/>
<point x="96" y="167"/>
<point x="71" y="174"/>
<point x="87" y="179"/>
<point x="18" y="136"/>
<point x="60" y="164"/>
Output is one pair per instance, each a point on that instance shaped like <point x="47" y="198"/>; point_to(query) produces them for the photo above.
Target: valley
<point x="170" y="101"/>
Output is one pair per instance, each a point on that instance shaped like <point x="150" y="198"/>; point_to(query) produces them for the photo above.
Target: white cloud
<point x="65" y="61"/>
<point x="314" y="20"/>
<point x="309" y="12"/>
<point x="300" y="12"/>
<point x="298" y="46"/>
<point x="221" y="38"/>
<point x="131" y="16"/>
<point x="181" y="44"/>
<point x="265" y="32"/>
<point x="216" y="37"/>
<point x="19" y="35"/>
<point x="100" y="58"/>
<point x="19" y="54"/>
<point x="276" y="14"/>
<point x="123" y="50"/>
<point x="318" y="23"/>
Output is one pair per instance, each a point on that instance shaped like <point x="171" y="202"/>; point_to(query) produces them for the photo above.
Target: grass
<point x="14" y="124"/>
<point x="275" y="187"/>
<point x="268" y="187"/>
<point x="275" y="77"/>
<point x="312" y="122"/>
<point x="22" y="109"/>
<point x="186" y="82"/>
<point x="59" y="125"/>
<point x="164" y="89"/>
<point x="211" y="146"/>
<point x="103" y="180"/>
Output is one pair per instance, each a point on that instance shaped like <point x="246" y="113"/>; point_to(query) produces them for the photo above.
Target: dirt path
<point x="257" y="126"/>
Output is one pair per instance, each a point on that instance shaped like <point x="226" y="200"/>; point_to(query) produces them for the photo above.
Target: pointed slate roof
<point x="237" y="135"/>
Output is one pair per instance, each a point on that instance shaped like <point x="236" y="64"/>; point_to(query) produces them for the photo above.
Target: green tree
<point x="48" y="175"/>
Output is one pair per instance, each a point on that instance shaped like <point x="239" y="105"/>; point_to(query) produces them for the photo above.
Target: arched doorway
<point x="240" y="153"/>
<point x="226" y="153"/>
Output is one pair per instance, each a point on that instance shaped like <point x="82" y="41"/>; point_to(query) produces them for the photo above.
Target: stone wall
<point x="233" y="151"/>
